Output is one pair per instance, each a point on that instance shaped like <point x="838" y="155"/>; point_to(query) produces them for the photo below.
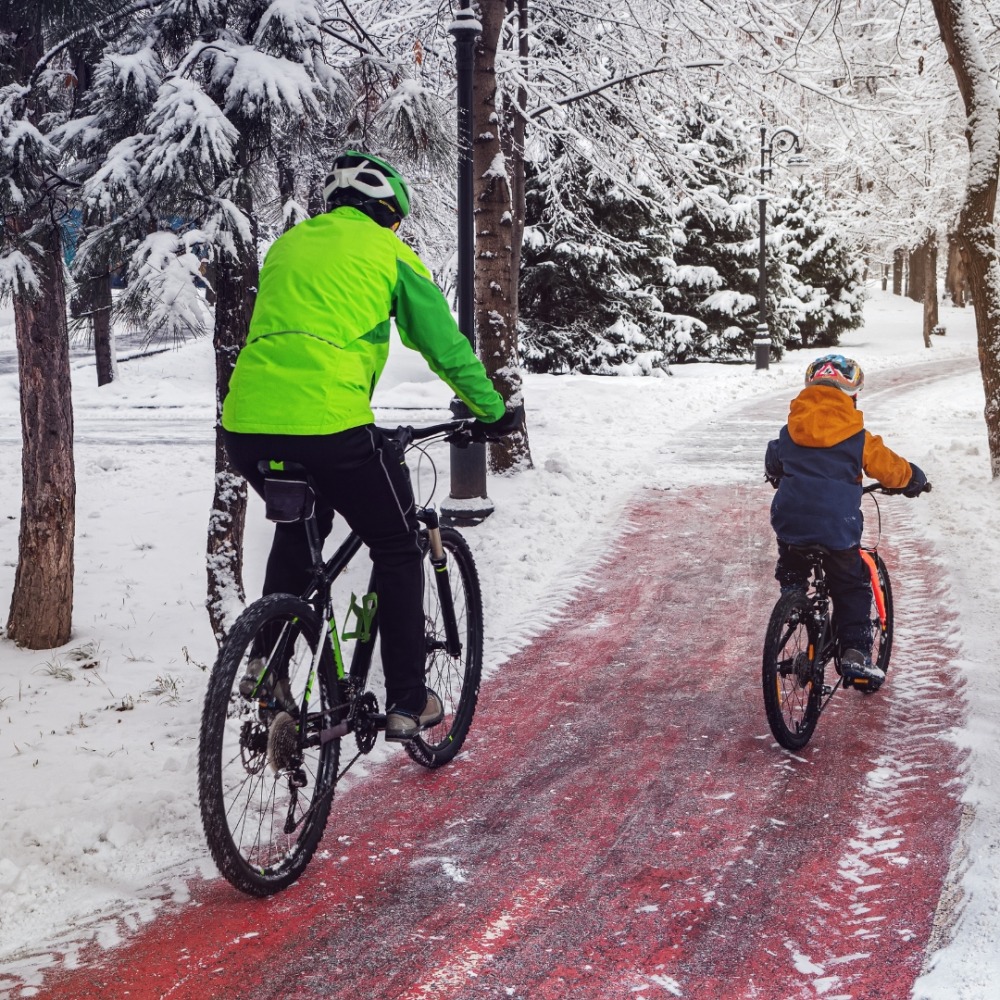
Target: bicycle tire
<point x="256" y="773"/>
<point x="455" y="679"/>
<point x="792" y="683"/>
<point x="882" y="638"/>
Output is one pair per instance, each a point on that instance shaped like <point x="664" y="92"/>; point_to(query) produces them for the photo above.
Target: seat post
<point x="315" y="544"/>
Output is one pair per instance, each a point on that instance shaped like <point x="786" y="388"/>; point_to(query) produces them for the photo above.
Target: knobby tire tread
<point x="885" y="646"/>
<point x="790" y="738"/>
<point x="438" y="745"/>
<point x="232" y="659"/>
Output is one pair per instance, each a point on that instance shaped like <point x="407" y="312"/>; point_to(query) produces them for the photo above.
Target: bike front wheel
<point x="881" y="632"/>
<point x="792" y="681"/>
<point x="455" y="679"/>
<point x="266" y="767"/>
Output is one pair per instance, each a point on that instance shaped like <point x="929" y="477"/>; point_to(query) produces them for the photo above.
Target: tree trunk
<point x="897" y="272"/>
<point x="918" y="267"/>
<point x="41" y="608"/>
<point x="235" y="286"/>
<point x="496" y="253"/>
<point x="976" y="230"/>
<point x="514" y="151"/>
<point x="955" y="274"/>
<point x="104" y="341"/>
<point x="930" y="287"/>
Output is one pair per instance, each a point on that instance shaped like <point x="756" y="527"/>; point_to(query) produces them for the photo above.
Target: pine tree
<point x="216" y="97"/>
<point x="827" y="276"/>
<point x="210" y="128"/>
<point x="715" y="282"/>
<point x="593" y="273"/>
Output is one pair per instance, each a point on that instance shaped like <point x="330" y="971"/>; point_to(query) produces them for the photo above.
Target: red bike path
<point x="622" y="823"/>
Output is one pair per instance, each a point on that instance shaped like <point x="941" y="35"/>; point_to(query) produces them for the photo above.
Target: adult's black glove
<point x="773" y="480"/>
<point x="918" y="483"/>
<point x="512" y="419"/>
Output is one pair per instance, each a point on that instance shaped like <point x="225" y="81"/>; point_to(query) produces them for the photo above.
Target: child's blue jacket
<point x="818" y="459"/>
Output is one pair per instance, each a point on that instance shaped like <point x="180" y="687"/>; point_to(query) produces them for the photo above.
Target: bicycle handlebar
<point x="455" y="431"/>
<point x="891" y="491"/>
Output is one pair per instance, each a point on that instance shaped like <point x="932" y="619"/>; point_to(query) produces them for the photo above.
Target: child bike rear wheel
<point x="792" y="682"/>
<point x="455" y="679"/>
<point x="265" y="778"/>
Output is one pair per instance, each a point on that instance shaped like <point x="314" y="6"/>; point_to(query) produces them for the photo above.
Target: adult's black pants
<point x="360" y="474"/>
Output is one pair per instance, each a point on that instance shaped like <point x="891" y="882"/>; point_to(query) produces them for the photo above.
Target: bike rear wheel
<point x="265" y="778"/>
<point x="882" y="636"/>
<point x="792" y="682"/>
<point x="455" y="679"/>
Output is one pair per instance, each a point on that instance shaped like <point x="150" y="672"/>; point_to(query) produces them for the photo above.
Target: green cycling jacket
<point x="319" y="336"/>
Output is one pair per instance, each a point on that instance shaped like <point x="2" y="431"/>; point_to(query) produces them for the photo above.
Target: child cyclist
<point x="816" y="464"/>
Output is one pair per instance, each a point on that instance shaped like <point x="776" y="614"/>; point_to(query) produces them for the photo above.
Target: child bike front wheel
<point x="881" y="618"/>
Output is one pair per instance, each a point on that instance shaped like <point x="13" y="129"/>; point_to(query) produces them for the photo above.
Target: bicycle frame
<point x="868" y="558"/>
<point x="820" y="603"/>
<point x="319" y="595"/>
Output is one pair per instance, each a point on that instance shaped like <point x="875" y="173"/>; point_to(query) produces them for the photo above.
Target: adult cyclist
<point x="301" y="390"/>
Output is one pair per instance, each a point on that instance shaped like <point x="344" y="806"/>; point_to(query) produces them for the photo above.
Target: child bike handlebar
<point x="891" y="491"/>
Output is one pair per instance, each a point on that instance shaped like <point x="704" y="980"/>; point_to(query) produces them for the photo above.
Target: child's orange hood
<point x="821" y="416"/>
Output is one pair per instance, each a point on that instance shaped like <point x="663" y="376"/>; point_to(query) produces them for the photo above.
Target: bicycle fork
<point x="439" y="560"/>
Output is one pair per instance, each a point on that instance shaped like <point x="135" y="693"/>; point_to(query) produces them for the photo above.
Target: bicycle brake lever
<point x="461" y="437"/>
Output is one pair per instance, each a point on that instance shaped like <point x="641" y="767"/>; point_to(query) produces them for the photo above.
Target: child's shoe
<point x="856" y="666"/>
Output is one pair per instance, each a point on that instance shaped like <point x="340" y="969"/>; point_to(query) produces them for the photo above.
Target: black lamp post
<point x="467" y="503"/>
<point x="783" y="141"/>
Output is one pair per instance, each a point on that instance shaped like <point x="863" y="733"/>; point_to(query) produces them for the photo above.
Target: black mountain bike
<point x="269" y="752"/>
<point x="800" y="644"/>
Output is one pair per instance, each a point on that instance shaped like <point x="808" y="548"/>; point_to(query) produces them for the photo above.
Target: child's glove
<point x="918" y="483"/>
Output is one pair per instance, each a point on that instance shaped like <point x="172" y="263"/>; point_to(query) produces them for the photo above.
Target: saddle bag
<point x="288" y="493"/>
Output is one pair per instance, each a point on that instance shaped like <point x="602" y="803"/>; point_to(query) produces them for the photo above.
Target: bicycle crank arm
<point x="343" y="728"/>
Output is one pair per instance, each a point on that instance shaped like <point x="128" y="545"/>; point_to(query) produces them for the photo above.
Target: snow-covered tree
<point x="191" y="114"/>
<point x="210" y="126"/>
<point x="715" y="281"/>
<point x="963" y="25"/>
<point x="826" y="274"/>
<point x="594" y="267"/>
<point x="31" y="273"/>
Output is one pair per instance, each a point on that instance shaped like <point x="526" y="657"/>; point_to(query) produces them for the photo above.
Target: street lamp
<point x="467" y="502"/>
<point x="783" y="141"/>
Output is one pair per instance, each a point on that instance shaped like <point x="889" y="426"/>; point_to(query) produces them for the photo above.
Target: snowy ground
<point x="98" y="800"/>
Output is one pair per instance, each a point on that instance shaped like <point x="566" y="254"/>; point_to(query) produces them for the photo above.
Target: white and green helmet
<point x="360" y="174"/>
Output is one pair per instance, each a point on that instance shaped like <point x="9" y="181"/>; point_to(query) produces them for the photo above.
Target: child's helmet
<point x="838" y="371"/>
<point x="364" y="181"/>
